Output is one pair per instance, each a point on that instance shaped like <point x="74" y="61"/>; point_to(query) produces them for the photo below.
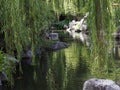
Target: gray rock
<point x="52" y="36"/>
<point x="27" y="57"/>
<point x="100" y="84"/>
<point x="59" y="45"/>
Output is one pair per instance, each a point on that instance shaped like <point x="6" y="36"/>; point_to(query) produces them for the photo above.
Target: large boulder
<point x="100" y="84"/>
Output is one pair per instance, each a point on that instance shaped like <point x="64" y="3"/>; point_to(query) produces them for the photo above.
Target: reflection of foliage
<point x="50" y="80"/>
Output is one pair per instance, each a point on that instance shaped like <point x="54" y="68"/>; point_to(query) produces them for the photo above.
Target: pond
<point x="65" y="69"/>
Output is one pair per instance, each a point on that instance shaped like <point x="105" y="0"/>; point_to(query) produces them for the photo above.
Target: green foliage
<point x="23" y="21"/>
<point x="7" y="65"/>
<point x="102" y="27"/>
<point x="116" y="11"/>
<point x="60" y="25"/>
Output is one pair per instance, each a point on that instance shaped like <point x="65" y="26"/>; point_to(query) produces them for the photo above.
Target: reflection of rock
<point x="116" y="36"/>
<point x="27" y="67"/>
<point x="59" y="45"/>
<point x="3" y="77"/>
<point x="38" y="51"/>
<point x="100" y="84"/>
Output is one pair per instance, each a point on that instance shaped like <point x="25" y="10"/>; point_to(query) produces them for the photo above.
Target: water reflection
<point x="61" y="70"/>
<point x="34" y="76"/>
<point x="41" y="72"/>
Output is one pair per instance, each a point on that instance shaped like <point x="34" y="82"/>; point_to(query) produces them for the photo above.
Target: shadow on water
<point x="34" y="76"/>
<point x="60" y="70"/>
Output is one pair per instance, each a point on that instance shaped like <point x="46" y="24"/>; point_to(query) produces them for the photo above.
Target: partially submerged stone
<point x="100" y="84"/>
<point x="27" y="57"/>
<point x="59" y="45"/>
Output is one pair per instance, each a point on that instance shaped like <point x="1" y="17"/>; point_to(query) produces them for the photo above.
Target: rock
<point x="27" y="57"/>
<point x="100" y="84"/>
<point x="27" y="54"/>
<point x="52" y="36"/>
<point x="59" y="45"/>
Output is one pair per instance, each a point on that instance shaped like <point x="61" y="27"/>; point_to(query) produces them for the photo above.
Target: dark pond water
<point x="61" y="70"/>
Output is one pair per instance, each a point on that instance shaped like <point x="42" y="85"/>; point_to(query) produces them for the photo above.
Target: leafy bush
<point x="60" y="25"/>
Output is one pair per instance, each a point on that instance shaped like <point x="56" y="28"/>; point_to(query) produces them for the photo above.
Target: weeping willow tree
<point x="116" y="9"/>
<point x="23" y="22"/>
<point x="102" y="27"/>
<point x="69" y="7"/>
